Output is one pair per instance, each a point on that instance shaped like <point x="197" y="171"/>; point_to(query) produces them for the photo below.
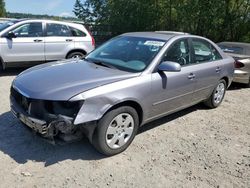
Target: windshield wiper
<point x="101" y="63"/>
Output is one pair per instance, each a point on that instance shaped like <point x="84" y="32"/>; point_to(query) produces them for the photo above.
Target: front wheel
<point x="116" y="130"/>
<point x="217" y="96"/>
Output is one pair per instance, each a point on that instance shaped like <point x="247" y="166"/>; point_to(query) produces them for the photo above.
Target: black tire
<point x="75" y="55"/>
<point x="248" y="85"/>
<point x="100" y="138"/>
<point x="210" y="102"/>
<point x="1" y="67"/>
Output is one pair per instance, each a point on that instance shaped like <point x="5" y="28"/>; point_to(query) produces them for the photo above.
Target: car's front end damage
<point x="48" y="102"/>
<point x="49" y="118"/>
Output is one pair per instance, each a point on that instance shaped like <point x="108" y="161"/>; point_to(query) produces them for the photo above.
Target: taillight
<point x="92" y="38"/>
<point x="238" y="64"/>
<point x="93" y="41"/>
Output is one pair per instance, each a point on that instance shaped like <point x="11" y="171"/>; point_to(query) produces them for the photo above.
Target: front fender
<point x="99" y="100"/>
<point x="93" y="110"/>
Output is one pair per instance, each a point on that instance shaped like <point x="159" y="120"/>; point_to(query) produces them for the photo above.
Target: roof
<point x="161" y="35"/>
<point x="41" y="19"/>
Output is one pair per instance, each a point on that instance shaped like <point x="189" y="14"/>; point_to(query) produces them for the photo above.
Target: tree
<point x="90" y="11"/>
<point x="216" y="19"/>
<point x="2" y="8"/>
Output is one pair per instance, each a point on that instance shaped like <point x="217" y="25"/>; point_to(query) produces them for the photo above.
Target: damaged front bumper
<point x="47" y="129"/>
<point x="49" y="118"/>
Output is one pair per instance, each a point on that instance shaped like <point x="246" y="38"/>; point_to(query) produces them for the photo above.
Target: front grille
<point x="21" y="100"/>
<point x="45" y="109"/>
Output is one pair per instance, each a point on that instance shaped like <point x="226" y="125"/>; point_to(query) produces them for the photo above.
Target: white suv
<point x="30" y="42"/>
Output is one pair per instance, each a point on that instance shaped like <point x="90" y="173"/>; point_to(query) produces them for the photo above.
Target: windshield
<point x="232" y="49"/>
<point x="6" y="25"/>
<point x="132" y="54"/>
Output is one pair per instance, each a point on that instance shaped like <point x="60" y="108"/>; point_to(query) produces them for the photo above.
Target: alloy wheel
<point x="219" y="93"/>
<point x="120" y="130"/>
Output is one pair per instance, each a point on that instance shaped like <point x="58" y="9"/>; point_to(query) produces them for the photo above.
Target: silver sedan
<point x="130" y="80"/>
<point x="241" y="53"/>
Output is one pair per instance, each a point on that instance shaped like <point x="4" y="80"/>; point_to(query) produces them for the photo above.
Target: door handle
<point x="38" y="40"/>
<point x="191" y="76"/>
<point x="218" y="69"/>
<point x="69" y="40"/>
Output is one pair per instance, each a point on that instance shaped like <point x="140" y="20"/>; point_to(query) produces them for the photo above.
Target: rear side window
<point x="77" y="33"/>
<point x="204" y="51"/>
<point x="58" y="30"/>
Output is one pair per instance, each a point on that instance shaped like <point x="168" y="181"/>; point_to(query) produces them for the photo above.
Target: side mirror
<point x="10" y="35"/>
<point x="169" y="66"/>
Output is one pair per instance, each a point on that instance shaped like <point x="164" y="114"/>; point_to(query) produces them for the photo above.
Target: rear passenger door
<point x="206" y="68"/>
<point x="58" y="41"/>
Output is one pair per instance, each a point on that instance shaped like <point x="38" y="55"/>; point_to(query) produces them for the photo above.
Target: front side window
<point x="57" y="30"/>
<point x="178" y="52"/>
<point x="29" y="30"/>
<point x="132" y="54"/>
<point x="204" y="51"/>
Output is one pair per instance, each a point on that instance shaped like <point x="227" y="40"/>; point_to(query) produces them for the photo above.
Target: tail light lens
<point x="93" y="41"/>
<point x="92" y="38"/>
<point x="238" y="64"/>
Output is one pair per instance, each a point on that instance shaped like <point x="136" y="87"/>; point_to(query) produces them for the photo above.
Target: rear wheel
<point x="217" y="96"/>
<point x="116" y="130"/>
<point x="79" y="55"/>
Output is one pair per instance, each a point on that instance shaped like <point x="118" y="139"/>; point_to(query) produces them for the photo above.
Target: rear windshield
<point x="232" y="49"/>
<point x="6" y="25"/>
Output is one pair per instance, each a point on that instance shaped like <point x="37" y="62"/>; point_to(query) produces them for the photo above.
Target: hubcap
<point x="219" y="93"/>
<point x="120" y="130"/>
<point x="76" y="56"/>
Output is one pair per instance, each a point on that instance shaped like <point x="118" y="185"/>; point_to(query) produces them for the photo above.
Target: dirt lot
<point x="196" y="147"/>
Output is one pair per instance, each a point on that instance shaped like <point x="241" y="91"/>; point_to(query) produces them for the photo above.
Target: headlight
<point x="66" y="108"/>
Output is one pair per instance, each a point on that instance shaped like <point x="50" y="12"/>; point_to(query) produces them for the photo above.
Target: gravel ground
<point x="196" y="147"/>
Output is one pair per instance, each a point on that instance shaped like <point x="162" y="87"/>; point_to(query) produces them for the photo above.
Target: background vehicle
<point x="7" y="23"/>
<point x="30" y="42"/>
<point x="241" y="53"/>
<point x="125" y="83"/>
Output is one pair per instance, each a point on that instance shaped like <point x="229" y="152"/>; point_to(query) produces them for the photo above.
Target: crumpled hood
<point x="63" y="80"/>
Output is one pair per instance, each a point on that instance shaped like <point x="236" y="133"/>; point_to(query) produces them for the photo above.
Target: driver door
<point x="174" y="90"/>
<point x="26" y="46"/>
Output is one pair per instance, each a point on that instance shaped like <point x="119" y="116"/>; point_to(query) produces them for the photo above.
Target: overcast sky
<point x="50" y="7"/>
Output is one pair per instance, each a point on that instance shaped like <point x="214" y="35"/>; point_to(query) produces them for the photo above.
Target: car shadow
<point x="237" y="86"/>
<point x="171" y="117"/>
<point x="11" y="71"/>
<point x="22" y="145"/>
